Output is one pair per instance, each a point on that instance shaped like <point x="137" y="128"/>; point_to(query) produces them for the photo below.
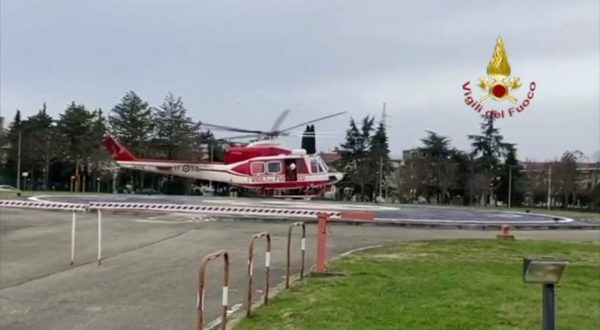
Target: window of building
<point x="274" y="167"/>
<point x="257" y="168"/>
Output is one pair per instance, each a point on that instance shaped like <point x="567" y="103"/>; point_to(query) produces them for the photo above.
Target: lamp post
<point x="546" y="271"/>
<point x="19" y="162"/>
<point x="510" y="167"/>
<point x="549" y="185"/>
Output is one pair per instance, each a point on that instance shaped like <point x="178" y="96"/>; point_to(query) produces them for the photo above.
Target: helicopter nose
<point x="337" y="176"/>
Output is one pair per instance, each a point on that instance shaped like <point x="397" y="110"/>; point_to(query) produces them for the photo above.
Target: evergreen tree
<point x="435" y="146"/>
<point x="100" y="159"/>
<point x="490" y="149"/>
<point x="74" y="127"/>
<point x="9" y="173"/>
<point x="379" y="154"/>
<point x="442" y="168"/>
<point x="132" y="122"/>
<point x="177" y="134"/>
<point x="360" y="175"/>
<point x="41" y="140"/>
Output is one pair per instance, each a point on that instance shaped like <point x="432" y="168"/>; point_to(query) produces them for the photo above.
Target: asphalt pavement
<point x="148" y="279"/>
<point x="407" y="215"/>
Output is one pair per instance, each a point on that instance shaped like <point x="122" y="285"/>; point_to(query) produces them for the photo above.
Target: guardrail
<point x="251" y="269"/>
<point x="201" y="284"/>
<point x="302" y="252"/>
<point x="54" y="206"/>
<point x="217" y="210"/>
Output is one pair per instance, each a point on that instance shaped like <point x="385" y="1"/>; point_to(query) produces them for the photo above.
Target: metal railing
<point x="302" y="252"/>
<point x="202" y="280"/>
<point x="251" y="269"/>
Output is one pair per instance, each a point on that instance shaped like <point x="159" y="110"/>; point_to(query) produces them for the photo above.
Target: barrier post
<point x="99" y="237"/>
<point x="251" y="269"/>
<point x="73" y="224"/>
<point x="201" y="285"/>
<point x="322" y="243"/>
<point x="505" y="235"/>
<point x="302" y="252"/>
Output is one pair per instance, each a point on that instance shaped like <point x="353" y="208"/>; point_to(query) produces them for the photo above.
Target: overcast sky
<point x="241" y="63"/>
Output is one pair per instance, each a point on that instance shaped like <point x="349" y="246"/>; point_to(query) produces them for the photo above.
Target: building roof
<point x="330" y="157"/>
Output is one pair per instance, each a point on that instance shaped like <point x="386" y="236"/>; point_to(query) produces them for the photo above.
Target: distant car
<point x="4" y="188"/>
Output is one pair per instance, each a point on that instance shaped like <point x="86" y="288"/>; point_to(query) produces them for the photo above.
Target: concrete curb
<point x="579" y="225"/>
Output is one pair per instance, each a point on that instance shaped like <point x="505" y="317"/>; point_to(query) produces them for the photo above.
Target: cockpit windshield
<point x="317" y="165"/>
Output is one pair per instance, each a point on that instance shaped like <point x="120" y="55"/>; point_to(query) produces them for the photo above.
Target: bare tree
<point x="410" y="179"/>
<point x="564" y="175"/>
<point x="481" y="183"/>
<point x="447" y="177"/>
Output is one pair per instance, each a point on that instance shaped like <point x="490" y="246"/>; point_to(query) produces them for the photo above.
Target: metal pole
<point x="509" y="185"/>
<point x="19" y="162"/>
<point x="73" y="224"/>
<point x="548" y="309"/>
<point x="549" y="185"/>
<point x="471" y="183"/>
<point x="99" y="237"/>
<point x="380" y="176"/>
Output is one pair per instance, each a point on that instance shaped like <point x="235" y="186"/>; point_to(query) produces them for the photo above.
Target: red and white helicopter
<point x="263" y="165"/>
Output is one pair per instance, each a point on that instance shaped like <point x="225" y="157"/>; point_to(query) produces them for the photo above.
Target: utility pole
<point x="380" y="176"/>
<point x="19" y="162"/>
<point x="509" y="185"/>
<point x="471" y="182"/>
<point x="549" y="184"/>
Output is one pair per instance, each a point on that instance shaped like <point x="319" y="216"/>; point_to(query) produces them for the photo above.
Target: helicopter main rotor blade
<point x="312" y="121"/>
<point x="238" y="137"/>
<point x="232" y="129"/>
<point x="280" y="120"/>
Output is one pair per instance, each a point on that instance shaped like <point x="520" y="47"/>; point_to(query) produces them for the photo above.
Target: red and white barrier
<point x="42" y="205"/>
<point x="74" y="208"/>
<point x="214" y="210"/>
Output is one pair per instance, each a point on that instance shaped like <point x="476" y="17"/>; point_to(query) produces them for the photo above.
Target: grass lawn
<point x="458" y="284"/>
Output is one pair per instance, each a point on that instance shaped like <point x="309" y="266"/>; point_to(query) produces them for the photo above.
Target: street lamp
<point x="547" y="271"/>
<point x="25" y="175"/>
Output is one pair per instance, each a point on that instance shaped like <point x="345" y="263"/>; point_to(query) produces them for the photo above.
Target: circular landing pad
<point x="406" y="215"/>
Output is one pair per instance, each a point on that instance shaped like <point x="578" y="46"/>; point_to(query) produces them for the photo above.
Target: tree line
<point x="66" y="153"/>
<point x="436" y="172"/>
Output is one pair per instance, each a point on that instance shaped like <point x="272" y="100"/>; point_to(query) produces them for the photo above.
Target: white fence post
<point x="99" y="237"/>
<point x="73" y="224"/>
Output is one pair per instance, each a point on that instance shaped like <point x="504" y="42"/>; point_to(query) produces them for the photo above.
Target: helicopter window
<point x="257" y="168"/>
<point x="274" y="167"/>
<point x="323" y="166"/>
<point x="314" y="166"/>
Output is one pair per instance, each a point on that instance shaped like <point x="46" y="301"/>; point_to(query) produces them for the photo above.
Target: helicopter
<point x="263" y="165"/>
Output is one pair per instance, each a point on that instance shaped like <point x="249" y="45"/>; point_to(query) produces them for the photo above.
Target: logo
<point x="499" y="87"/>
